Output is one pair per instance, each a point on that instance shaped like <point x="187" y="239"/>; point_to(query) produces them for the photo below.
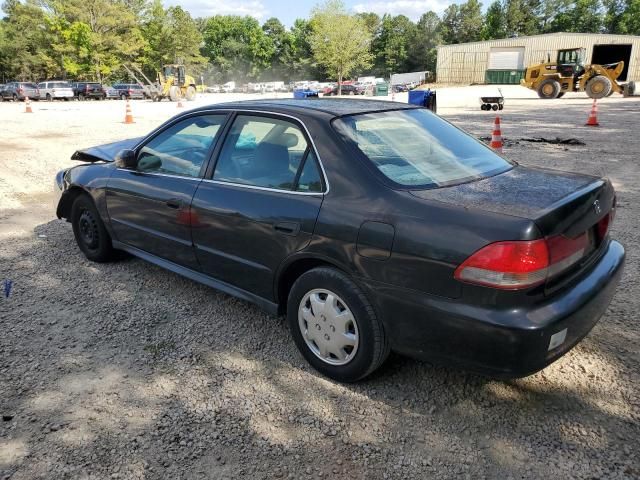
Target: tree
<point x="494" y="23"/>
<point x="237" y="46"/>
<point x="26" y="52"/>
<point x="391" y="46"/>
<point x="450" y="26"/>
<point x="283" y="60"/>
<point x="578" y="16"/>
<point x="422" y="47"/>
<point x="91" y="38"/>
<point x="470" y="24"/>
<point x="522" y="17"/>
<point x="341" y="42"/>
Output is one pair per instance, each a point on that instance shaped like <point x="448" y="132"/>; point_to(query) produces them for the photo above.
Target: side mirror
<point x="126" y="159"/>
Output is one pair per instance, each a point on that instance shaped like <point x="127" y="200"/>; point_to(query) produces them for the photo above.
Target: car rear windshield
<point x="416" y="148"/>
<point x="59" y="85"/>
<point x="29" y="85"/>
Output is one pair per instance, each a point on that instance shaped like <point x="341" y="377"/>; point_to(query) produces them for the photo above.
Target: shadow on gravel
<point x="124" y="370"/>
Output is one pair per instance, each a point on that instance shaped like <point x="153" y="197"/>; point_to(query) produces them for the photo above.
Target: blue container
<point x="423" y="98"/>
<point x="419" y="97"/>
<point x="302" y="94"/>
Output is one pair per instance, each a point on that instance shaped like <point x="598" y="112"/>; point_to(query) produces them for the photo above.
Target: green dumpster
<point x="504" y="77"/>
<point x="381" y="90"/>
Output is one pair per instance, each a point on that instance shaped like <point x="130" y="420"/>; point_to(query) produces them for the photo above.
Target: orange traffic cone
<point x="27" y="103"/>
<point x="128" y="117"/>
<point x="496" y="136"/>
<point x="593" y="116"/>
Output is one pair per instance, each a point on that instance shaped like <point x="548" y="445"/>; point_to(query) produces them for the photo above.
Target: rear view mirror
<point x="126" y="159"/>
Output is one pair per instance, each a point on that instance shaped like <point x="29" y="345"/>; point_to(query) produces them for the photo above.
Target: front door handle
<point x="174" y="203"/>
<point x="288" y="228"/>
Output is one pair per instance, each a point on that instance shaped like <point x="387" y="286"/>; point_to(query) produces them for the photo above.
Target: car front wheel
<point x="334" y="326"/>
<point x="90" y="233"/>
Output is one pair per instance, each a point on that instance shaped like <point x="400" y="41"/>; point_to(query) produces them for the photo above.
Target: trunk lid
<point x="561" y="204"/>
<point x="106" y="152"/>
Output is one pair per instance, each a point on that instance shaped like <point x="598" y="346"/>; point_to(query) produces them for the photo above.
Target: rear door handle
<point x="288" y="228"/>
<point x="174" y="203"/>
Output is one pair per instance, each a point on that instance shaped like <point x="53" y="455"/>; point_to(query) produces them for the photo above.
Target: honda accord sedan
<point x="373" y="226"/>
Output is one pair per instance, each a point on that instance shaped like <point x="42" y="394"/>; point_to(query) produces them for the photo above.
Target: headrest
<point x="288" y="140"/>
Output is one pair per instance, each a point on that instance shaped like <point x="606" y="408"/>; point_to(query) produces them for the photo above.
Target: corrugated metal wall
<point x="466" y="63"/>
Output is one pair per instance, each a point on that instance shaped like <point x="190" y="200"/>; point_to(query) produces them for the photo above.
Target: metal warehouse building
<point x="504" y="61"/>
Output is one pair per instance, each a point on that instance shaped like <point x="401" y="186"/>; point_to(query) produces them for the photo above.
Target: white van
<point x="53" y="89"/>
<point x="229" y="87"/>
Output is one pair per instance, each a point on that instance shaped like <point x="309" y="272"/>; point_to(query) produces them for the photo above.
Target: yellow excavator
<point x="569" y="74"/>
<point x="171" y="82"/>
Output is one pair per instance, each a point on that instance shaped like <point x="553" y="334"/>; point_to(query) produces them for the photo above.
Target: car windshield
<point x="415" y="148"/>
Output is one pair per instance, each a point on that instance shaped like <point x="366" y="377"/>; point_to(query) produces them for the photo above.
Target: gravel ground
<point x="127" y="371"/>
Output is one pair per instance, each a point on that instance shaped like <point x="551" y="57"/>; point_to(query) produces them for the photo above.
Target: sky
<point x="287" y="12"/>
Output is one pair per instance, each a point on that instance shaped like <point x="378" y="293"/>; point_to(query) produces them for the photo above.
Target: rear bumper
<point x="512" y="342"/>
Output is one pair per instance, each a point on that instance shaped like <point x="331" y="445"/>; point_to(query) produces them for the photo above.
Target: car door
<point x="149" y="206"/>
<point x="261" y="204"/>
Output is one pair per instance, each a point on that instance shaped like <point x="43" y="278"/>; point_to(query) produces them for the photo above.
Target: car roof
<point x="332" y="106"/>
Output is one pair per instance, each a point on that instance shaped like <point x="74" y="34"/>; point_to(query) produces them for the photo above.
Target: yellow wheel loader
<point x="569" y="74"/>
<point x="174" y="83"/>
<point x="171" y="82"/>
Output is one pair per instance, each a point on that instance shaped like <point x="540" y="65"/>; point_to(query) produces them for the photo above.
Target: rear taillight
<point x="603" y="225"/>
<point x="508" y="265"/>
<point x="516" y="265"/>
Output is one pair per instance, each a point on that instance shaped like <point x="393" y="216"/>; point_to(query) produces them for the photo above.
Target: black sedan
<point x="374" y="226"/>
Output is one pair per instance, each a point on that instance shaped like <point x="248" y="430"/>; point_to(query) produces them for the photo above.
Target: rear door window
<point x="267" y="152"/>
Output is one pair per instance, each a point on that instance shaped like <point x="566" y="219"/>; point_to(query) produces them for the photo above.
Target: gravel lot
<point x="127" y="371"/>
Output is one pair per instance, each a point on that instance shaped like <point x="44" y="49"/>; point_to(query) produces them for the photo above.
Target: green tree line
<point x="92" y="39"/>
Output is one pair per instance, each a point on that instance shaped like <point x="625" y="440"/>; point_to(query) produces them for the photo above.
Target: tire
<point x="48" y="97"/>
<point x="494" y="108"/>
<point x="175" y="93"/>
<point x="629" y="89"/>
<point x="598" y="87"/>
<point x="90" y="233"/>
<point x="561" y="94"/>
<point x="549" y="89"/>
<point x="369" y="346"/>
<point x="15" y="97"/>
<point x="500" y="107"/>
<point x="191" y="94"/>
<point x="81" y="97"/>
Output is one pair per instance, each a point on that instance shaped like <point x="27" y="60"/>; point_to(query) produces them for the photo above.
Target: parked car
<point x="86" y="90"/>
<point x="111" y="93"/>
<point x="373" y="226"/>
<point x="347" y="89"/>
<point x="214" y="89"/>
<point x="19" y="91"/>
<point x="53" y="89"/>
<point x="129" y="91"/>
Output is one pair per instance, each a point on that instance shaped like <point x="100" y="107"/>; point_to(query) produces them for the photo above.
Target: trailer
<point x="415" y="78"/>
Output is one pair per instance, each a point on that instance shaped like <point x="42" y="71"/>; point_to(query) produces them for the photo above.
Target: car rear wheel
<point x="48" y="97"/>
<point x="81" y="97"/>
<point x="334" y="326"/>
<point x="89" y="230"/>
<point x="123" y="97"/>
<point x="15" y="97"/>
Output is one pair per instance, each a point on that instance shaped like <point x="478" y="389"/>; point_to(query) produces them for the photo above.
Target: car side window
<point x="310" y="179"/>
<point x="262" y="152"/>
<point x="182" y="148"/>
